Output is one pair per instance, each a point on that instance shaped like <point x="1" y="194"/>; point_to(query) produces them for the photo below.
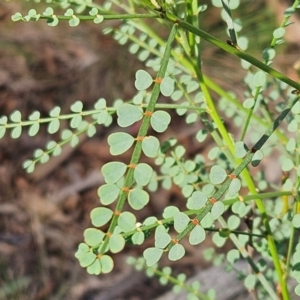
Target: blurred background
<point x="43" y="215"/>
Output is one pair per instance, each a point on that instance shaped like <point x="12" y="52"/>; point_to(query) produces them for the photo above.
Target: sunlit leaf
<point x="176" y="252"/>
<point x="143" y="80"/>
<point x="119" y="142"/>
<point x="100" y="216"/>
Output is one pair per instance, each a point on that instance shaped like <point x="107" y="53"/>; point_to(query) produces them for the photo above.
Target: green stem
<point x="129" y="178"/>
<point x="237" y="52"/>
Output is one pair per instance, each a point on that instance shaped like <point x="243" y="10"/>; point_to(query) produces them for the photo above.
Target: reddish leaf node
<point x="212" y="200"/>
<point x="117" y="213"/>
<point x="175" y="241"/>
<point x="158" y="80"/>
<point x="108" y="234"/>
<point x="131" y="166"/>
<point x="195" y="222"/>
<point x="231" y="176"/>
<point x="125" y="189"/>
<point x="139" y="138"/>
<point x="148" y="113"/>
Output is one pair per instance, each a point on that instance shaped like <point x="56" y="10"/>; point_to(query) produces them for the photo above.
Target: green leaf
<point x="207" y="221"/>
<point x="35" y="116"/>
<point x="197" y="235"/>
<point x="86" y="259"/>
<point x="278" y="33"/>
<point x="128" y="114"/>
<point x="75" y="121"/>
<point x="218" y="240"/>
<point x="257" y="157"/>
<point x="197" y="200"/>
<point x="152" y="256"/>
<point x="48" y="12"/>
<point x="74" y="141"/>
<point x="29" y="165"/>
<point x="138" y="198"/>
<point x="217" y="175"/>
<point x="93" y="11"/>
<point x="53" y="126"/>
<point x="94" y="268"/>
<point x="74" y="21"/>
<point x="16" y="116"/>
<point x="138" y="238"/>
<point x="201" y="135"/>
<point x="54" y="113"/>
<point x="296" y="221"/>
<point x="143" y="174"/>
<point x="233" y="256"/>
<point x="239" y="208"/>
<point x="250" y="281"/>
<point x="53" y="22"/>
<point x="297" y="290"/>
<point x="100" y="216"/>
<point x="16" y="17"/>
<point x="16" y="132"/>
<point x="181" y="220"/>
<point x="259" y="79"/>
<point x="179" y="151"/>
<point x="108" y="193"/>
<point x="3" y="120"/>
<point x="34" y="129"/>
<point x="116" y="242"/>
<point x="107" y="264"/>
<point x="150" y="146"/>
<point x="217" y="210"/>
<point x="233" y="222"/>
<point x="93" y="237"/>
<point x="143" y="80"/>
<point x="234" y="187"/>
<point x="2" y="131"/>
<point x="162" y="239"/>
<point x="167" y="86"/>
<point x="99" y="19"/>
<point x="176" y="252"/>
<point x="170" y="212"/>
<point x="127" y="221"/>
<point x="269" y="54"/>
<point x="100" y="104"/>
<point x="44" y="158"/>
<point x="77" y="107"/>
<point x="113" y="171"/>
<point x="249" y="103"/>
<point x="240" y="149"/>
<point x="160" y="120"/>
<point x="119" y="142"/>
<point x="287" y="165"/>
